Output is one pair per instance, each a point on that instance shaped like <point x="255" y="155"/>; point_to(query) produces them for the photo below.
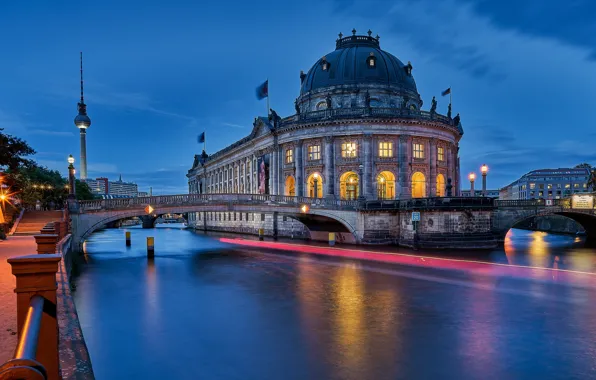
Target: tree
<point x="83" y="191"/>
<point x="13" y="151"/>
<point x="592" y="180"/>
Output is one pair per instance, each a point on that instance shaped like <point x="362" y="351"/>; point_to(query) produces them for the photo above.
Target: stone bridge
<point x="448" y="222"/>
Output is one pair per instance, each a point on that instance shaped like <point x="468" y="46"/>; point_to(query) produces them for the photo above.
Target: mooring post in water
<point x="128" y="238"/>
<point x="150" y="247"/>
<point x="261" y="233"/>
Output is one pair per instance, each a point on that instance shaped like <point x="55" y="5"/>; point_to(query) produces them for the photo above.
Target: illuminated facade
<point x="358" y="132"/>
<point x="548" y="184"/>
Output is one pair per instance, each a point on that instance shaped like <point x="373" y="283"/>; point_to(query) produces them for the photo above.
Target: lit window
<point x="324" y="64"/>
<point x="348" y="149"/>
<point x="372" y="60"/>
<point x="532" y="186"/>
<point x="321" y="105"/>
<point x="440" y="153"/>
<point x="314" y="152"/>
<point x="567" y="186"/>
<point x="386" y="149"/>
<point x="289" y="156"/>
<point x="418" y="150"/>
<point x="549" y="186"/>
<point x="576" y="185"/>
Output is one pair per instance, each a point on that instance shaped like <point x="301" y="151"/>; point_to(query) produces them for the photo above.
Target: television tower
<point x="82" y="121"/>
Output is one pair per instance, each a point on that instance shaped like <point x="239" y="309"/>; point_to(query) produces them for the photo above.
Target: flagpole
<point x="268" y="92"/>
<point x="451" y="96"/>
<point x="205" y="141"/>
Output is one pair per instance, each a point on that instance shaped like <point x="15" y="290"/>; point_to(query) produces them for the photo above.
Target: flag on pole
<point x="263" y="90"/>
<point x="446" y="92"/>
<point x="201" y="138"/>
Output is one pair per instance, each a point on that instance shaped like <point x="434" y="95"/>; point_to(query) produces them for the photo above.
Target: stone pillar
<point x="272" y="165"/>
<point x="250" y="171"/>
<point x="405" y="189"/>
<point x="244" y="176"/>
<point x="36" y="275"/>
<point x="46" y="243"/>
<point x="451" y="169"/>
<point x="329" y="177"/>
<point x="299" y="164"/>
<point x="433" y="168"/>
<point x="367" y="161"/>
<point x="280" y="171"/>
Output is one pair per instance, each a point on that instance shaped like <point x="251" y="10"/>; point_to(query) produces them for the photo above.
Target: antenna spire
<point x="82" y="100"/>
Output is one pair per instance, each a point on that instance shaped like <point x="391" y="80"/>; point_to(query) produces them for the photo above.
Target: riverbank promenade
<point x="13" y="246"/>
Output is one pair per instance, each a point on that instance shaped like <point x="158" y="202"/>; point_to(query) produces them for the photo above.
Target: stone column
<point x="36" y="276"/>
<point x="299" y="168"/>
<point x="405" y="189"/>
<point x="450" y="168"/>
<point x="280" y="171"/>
<point x="433" y="168"/>
<point x="250" y="171"/>
<point x="367" y="161"/>
<point x="244" y="175"/>
<point x="329" y="178"/>
<point x="272" y="158"/>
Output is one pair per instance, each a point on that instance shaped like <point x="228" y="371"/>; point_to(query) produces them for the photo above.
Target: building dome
<point x="350" y="64"/>
<point x="82" y="121"/>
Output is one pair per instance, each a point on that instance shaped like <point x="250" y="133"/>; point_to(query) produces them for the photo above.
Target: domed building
<point x="358" y="132"/>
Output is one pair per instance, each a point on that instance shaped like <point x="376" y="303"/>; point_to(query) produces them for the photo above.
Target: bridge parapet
<point x="200" y="199"/>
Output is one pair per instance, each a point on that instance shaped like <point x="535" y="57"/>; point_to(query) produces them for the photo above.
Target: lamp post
<point x="316" y="182"/>
<point x="472" y="177"/>
<point x="361" y="196"/>
<point x="71" y="178"/>
<point x="484" y="171"/>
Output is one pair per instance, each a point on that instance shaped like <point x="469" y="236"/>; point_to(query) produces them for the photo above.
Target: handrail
<point x="24" y="364"/>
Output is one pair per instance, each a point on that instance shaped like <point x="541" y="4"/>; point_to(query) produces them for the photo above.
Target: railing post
<point x="46" y="243"/>
<point x="36" y="275"/>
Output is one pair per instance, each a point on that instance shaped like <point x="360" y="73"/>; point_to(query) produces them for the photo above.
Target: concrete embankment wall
<point x="75" y="362"/>
<point x="552" y="223"/>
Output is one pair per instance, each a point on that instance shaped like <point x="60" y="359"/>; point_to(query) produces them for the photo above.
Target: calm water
<point x="206" y="310"/>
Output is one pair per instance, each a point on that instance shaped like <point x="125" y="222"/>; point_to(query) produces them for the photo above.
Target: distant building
<point x="478" y="193"/>
<point x="120" y="189"/>
<point x="143" y="194"/>
<point x="547" y="184"/>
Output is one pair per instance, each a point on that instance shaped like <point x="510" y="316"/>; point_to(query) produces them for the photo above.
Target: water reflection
<point x="202" y="309"/>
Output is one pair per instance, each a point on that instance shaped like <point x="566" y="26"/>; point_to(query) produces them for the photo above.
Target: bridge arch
<point x="586" y="219"/>
<point x="317" y="220"/>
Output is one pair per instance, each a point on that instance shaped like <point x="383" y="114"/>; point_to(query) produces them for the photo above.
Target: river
<point x="204" y="309"/>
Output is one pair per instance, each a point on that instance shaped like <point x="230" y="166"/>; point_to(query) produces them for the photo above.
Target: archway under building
<point x="386" y="185"/>
<point x="418" y="185"/>
<point x="349" y="188"/>
<point x="290" y="186"/>
<point x="314" y="185"/>
<point x="440" y="185"/>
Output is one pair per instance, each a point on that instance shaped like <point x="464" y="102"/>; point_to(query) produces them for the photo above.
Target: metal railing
<point x="24" y="364"/>
<point x="204" y="199"/>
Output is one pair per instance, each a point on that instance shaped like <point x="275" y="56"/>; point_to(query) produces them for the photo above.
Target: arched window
<point x="349" y="186"/>
<point x="386" y="185"/>
<point x="418" y="185"/>
<point x="440" y="185"/>
<point x="322" y="105"/>
<point x="314" y="181"/>
<point x="290" y="188"/>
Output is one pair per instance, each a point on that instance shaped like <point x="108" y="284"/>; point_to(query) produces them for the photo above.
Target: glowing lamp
<point x="304" y="208"/>
<point x="316" y="175"/>
<point x="71" y="159"/>
<point x="2" y="197"/>
<point x="484" y="169"/>
<point x="472" y="176"/>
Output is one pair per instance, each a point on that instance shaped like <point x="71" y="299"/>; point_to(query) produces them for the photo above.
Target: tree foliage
<point x="83" y="192"/>
<point x="13" y="152"/>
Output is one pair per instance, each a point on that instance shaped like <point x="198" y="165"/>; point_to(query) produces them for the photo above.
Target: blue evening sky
<point x="157" y="73"/>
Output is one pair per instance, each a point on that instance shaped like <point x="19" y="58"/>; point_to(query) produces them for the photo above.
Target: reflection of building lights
<point x="304" y="208"/>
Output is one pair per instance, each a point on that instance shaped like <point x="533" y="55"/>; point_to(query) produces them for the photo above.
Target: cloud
<point x="232" y="125"/>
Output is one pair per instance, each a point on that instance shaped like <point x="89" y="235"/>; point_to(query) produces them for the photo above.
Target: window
<point x="418" y="150"/>
<point x="324" y="64"/>
<point x="348" y="149"/>
<point x="385" y="149"/>
<point x="532" y="186"/>
<point x="314" y="152"/>
<point x="440" y="153"/>
<point x="322" y="105"/>
<point x="289" y="156"/>
<point x="371" y="60"/>
<point x="549" y="186"/>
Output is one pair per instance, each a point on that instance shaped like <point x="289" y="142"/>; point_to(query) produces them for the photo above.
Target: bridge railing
<point x="435" y="203"/>
<point x="197" y="199"/>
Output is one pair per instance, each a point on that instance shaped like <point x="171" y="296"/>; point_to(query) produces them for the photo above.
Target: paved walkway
<point x="13" y="246"/>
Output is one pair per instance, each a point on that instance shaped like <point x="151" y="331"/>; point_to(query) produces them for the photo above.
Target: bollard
<point x="261" y="233"/>
<point x="150" y="247"/>
<point x="127" y="238"/>
<point x="331" y="239"/>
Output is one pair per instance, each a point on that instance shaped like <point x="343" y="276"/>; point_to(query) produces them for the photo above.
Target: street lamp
<point x="316" y="181"/>
<point x="71" y="177"/>
<point x="472" y="177"/>
<point x="484" y="171"/>
<point x="360" y="183"/>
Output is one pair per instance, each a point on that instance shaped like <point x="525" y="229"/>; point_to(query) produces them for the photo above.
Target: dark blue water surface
<point x="205" y="310"/>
